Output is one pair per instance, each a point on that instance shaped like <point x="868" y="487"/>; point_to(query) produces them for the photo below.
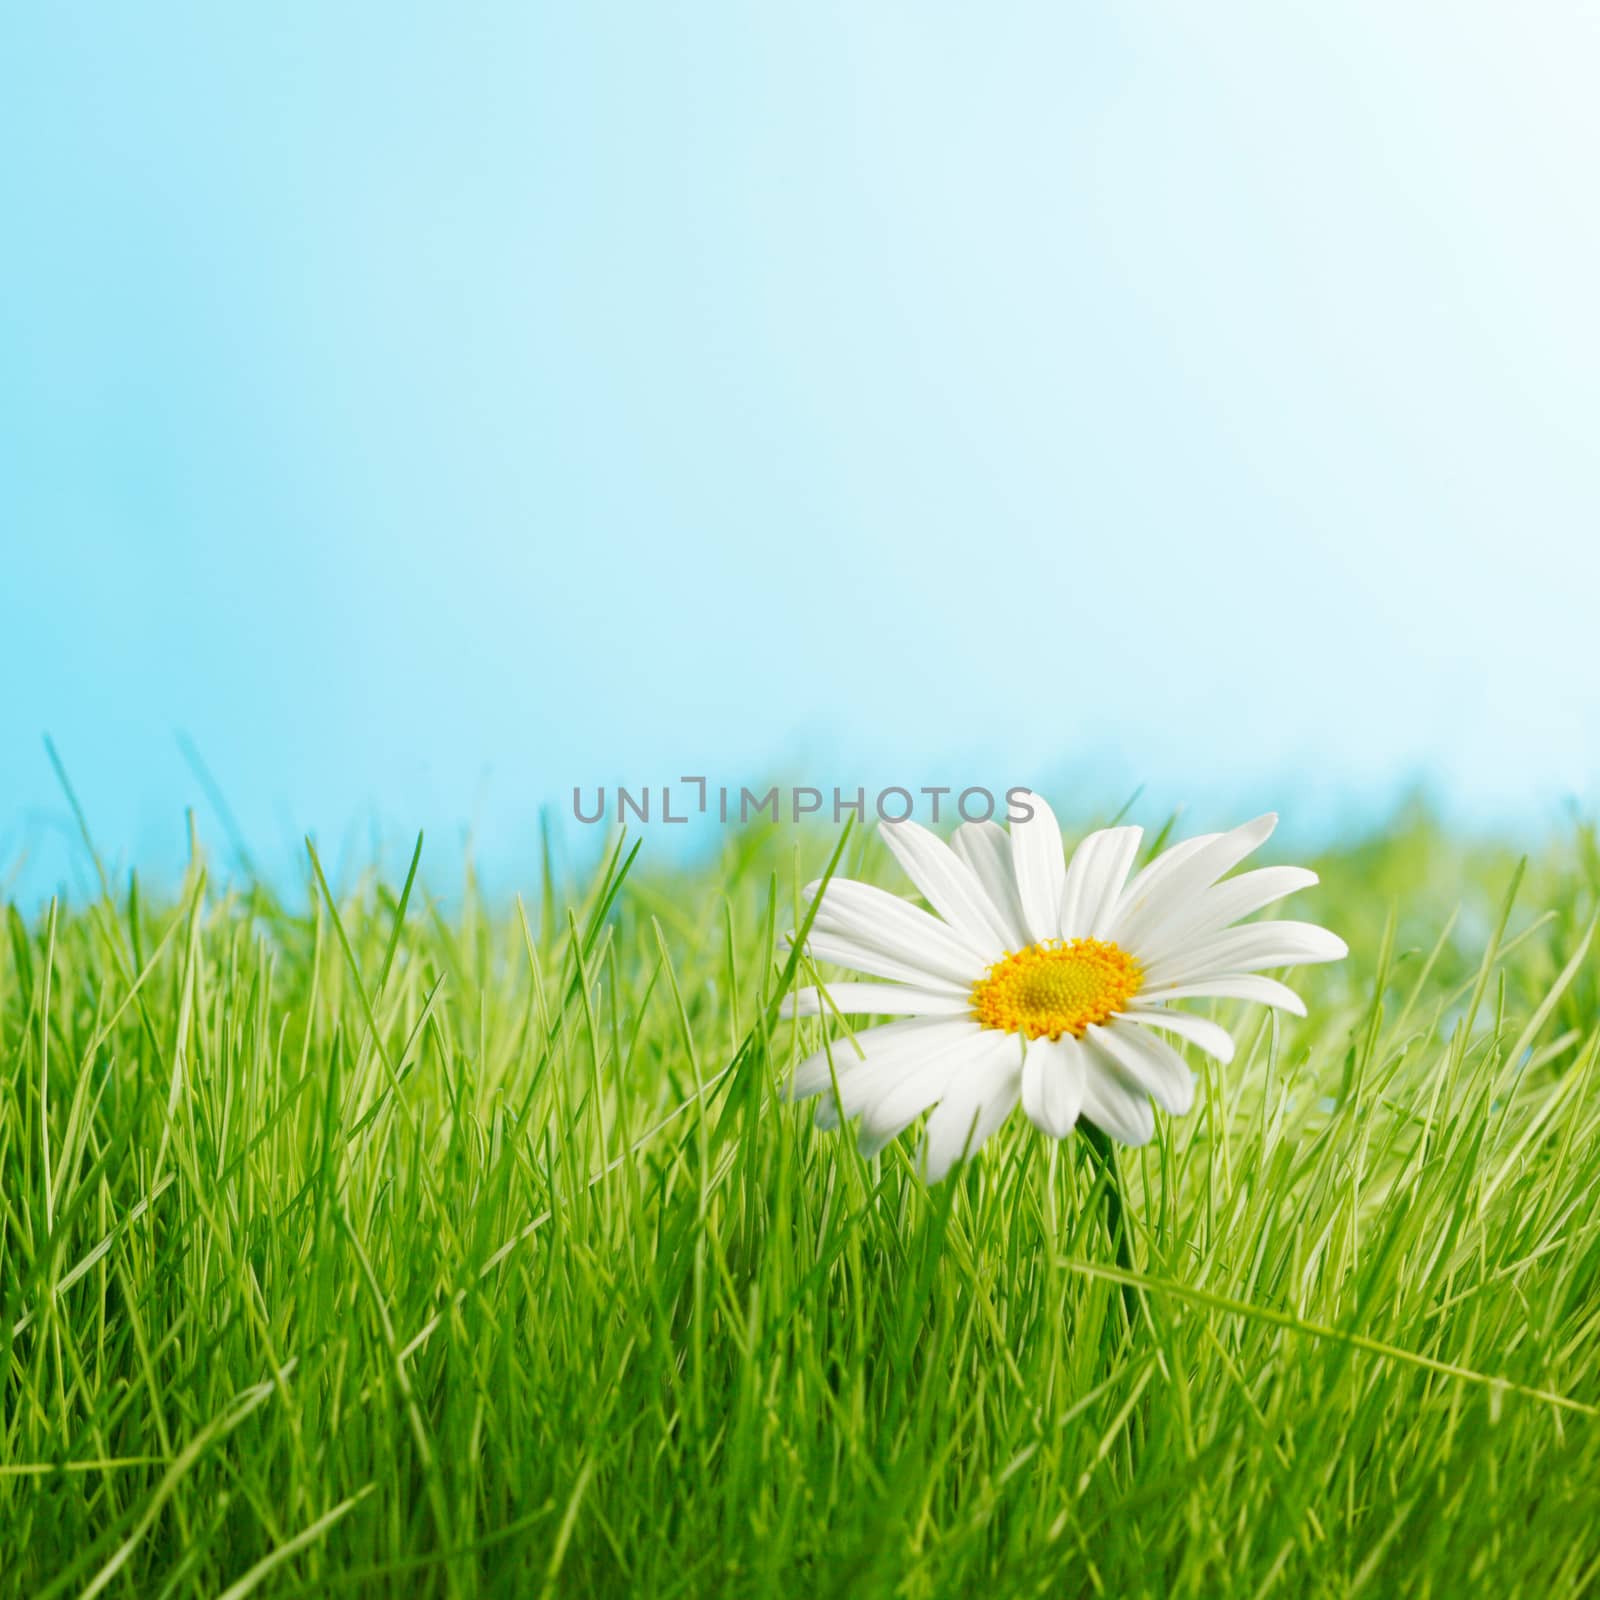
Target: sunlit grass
<point x="356" y="1243"/>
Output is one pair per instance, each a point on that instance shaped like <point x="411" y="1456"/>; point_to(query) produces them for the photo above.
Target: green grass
<point x="365" y="1245"/>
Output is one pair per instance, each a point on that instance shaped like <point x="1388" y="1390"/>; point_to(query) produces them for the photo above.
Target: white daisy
<point x="1040" y="981"/>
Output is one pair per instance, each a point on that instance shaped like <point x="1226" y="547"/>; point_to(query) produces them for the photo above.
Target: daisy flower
<point x="1039" y="980"/>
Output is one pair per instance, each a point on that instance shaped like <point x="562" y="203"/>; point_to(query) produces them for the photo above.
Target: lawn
<point x="358" y="1241"/>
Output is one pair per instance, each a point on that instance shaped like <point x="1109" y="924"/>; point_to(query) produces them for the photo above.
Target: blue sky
<point x="428" y="412"/>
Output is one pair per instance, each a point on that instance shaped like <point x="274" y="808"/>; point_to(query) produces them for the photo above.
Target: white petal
<point x="872" y="1142"/>
<point x="1215" y="908"/>
<point x="1233" y="986"/>
<point x="1040" y="866"/>
<point x="874" y="916"/>
<point x="976" y="1104"/>
<point x="873" y="999"/>
<point x="1147" y="1065"/>
<point x="1052" y="1084"/>
<point x="1153" y="895"/>
<point x="850" y="1053"/>
<point x="889" y="1114"/>
<point x="986" y="849"/>
<point x="1254" y="946"/>
<point x="1208" y="1036"/>
<point x="1095" y="879"/>
<point x="1112" y="1106"/>
<point x="871" y="959"/>
<point x="882" y="1069"/>
<point x="949" y="885"/>
<point x="1147" y="882"/>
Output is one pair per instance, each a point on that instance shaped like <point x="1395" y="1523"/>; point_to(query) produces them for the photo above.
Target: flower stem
<point x="1104" y="1156"/>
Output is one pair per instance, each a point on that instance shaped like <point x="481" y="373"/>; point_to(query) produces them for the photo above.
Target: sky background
<point x="428" y="411"/>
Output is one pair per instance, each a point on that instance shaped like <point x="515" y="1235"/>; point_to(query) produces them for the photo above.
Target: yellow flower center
<point x="1055" y="987"/>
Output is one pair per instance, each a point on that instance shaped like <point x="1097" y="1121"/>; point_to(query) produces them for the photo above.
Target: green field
<point x="357" y="1242"/>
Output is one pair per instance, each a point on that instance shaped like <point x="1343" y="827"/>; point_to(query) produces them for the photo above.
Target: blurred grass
<point x="358" y="1244"/>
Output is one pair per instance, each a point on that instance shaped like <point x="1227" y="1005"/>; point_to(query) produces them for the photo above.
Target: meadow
<point x="357" y="1241"/>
